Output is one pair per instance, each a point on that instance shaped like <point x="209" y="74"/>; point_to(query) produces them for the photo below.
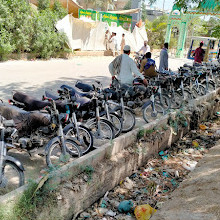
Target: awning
<point x="126" y="12"/>
<point x="73" y="7"/>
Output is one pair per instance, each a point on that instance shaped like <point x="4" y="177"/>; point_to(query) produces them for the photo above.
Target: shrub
<point x="46" y="40"/>
<point x="24" y="30"/>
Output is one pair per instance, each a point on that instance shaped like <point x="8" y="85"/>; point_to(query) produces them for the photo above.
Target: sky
<point x="168" y="4"/>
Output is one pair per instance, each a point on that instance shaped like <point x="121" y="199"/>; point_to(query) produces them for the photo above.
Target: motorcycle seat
<point x="76" y="99"/>
<point x="52" y="96"/>
<point x="75" y="91"/>
<point x="31" y="103"/>
<point x="83" y="86"/>
<point x="24" y="121"/>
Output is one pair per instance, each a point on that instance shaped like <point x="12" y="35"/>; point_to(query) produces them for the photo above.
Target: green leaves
<point x="43" y="4"/>
<point x="25" y="30"/>
<point x="216" y="31"/>
<point x="156" y="31"/>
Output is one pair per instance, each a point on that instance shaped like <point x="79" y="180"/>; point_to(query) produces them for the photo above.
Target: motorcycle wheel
<point x="12" y="178"/>
<point x="55" y="156"/>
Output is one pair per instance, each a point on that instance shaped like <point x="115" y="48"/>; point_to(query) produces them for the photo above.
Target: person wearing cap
<point x="199" y="54"/>
<point x="145" y="49"/>
<point x="124" y="67"/>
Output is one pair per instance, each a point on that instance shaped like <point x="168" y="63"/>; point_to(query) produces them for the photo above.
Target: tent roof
<point x="126" y="12"/>
<point x="73" y="7"/>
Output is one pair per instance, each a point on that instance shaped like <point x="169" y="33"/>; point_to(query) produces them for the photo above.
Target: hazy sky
<point x="168" y="4"/>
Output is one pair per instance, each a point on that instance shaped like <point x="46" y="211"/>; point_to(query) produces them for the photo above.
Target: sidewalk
<point x="198" y="197"/>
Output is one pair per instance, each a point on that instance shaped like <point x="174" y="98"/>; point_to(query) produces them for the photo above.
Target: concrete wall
<point x="112" y="163"/>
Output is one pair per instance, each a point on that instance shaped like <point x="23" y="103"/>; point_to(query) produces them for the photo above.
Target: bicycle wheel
<point x="85" y="137"/>
<point x="149" y="115"/>
<point x="103" y="134"/>
<point x="164" y="100"/>
<point x="12" y="178"/>
<point x="129" y="120"/>
<point x="55" y="156"/>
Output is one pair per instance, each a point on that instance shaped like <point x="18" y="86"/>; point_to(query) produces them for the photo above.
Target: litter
<point x="144" y="212"/>
<point x="125" y="206"/>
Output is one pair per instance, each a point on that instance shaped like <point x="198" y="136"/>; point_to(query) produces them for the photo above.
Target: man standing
<point x="199" y="54"/>
<point x="145" y="49"/>
<point x="122" y="43"/>
<point x="114" y="42"/>
<point x="164" y="58"/>
<point x="107" y="36"/>
<point x="124" y="67"/>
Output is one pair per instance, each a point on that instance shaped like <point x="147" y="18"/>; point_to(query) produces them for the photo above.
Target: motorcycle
<point x="11" y="169"/>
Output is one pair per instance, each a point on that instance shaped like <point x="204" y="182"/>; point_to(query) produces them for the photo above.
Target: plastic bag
<point x="144" y="212"/>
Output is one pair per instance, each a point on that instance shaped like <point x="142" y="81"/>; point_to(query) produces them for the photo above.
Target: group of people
<point x="124" y="67"/>
<point x="112" y="42"/>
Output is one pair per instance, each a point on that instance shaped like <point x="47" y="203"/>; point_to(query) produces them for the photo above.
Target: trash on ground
<point x="144" y="212"/>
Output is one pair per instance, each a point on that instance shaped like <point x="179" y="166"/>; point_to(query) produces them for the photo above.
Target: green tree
<point x="203" y="4"/>
<point x="216" y="31"/>
<point x="25" y="30"/>
<point x="144" y="11"/>
<point x="59" y="10"/>
<point x="15" y="26"/>
<point x="156" y="31"/>
<point x="43" y="4"/>
<point x="46" y="41"/>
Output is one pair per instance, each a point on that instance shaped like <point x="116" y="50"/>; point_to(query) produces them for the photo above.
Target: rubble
<point x="152" y="184"/>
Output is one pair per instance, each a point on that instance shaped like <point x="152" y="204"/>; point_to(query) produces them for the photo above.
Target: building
<point x="154" y="12"/>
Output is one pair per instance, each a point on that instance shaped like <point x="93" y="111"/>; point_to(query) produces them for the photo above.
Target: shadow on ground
<point x="38" y="90"/>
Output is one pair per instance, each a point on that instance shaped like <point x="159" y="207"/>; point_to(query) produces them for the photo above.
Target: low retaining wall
<point x="84" y="181"/>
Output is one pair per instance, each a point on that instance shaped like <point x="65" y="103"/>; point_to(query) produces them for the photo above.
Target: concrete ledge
<point x="112" y="163"/>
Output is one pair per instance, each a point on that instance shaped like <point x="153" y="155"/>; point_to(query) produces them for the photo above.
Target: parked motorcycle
<point x="11" y="169"/>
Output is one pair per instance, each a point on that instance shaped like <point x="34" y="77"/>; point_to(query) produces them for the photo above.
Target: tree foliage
<point x="207" y="4"/>
<point x="25" y="30"/>
<point x="156" y="31"/>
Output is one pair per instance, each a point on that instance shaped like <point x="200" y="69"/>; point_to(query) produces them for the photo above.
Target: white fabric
<point x="91" y="35"/>
<point x="144" y="49"/>
<point x="128" y="67"/>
